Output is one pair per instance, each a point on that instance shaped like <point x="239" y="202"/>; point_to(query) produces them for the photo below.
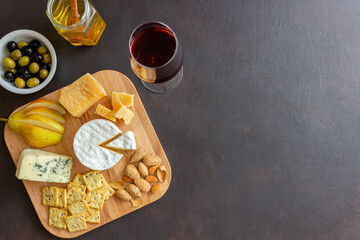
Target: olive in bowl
<point x="28" y="50"/>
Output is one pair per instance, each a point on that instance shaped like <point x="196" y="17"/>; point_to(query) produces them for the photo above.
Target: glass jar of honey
<point x="76" y="20"/>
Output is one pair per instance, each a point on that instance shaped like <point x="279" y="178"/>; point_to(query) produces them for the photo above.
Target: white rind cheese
<point x="37" y="165"/>
<point x="124" y="142"/>
<point x="87" y="141"/>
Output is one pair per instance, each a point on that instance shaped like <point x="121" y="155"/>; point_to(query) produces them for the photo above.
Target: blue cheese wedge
<point x="37" y="165"/>
<point x="124" y="142"/>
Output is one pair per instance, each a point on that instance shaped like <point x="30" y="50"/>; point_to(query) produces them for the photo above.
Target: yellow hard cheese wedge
<point x="82" y="94"/>
<point x="105" y="112"/>
<point x="125" y="114"/>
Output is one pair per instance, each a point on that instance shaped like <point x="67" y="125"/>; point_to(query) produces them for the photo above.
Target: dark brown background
<point x="262" y="134"/>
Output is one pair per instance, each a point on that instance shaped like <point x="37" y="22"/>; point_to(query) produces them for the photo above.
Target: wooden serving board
<point x="146" y="138"/>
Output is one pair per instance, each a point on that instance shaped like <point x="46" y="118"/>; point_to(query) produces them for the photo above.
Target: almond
<point x="133" y="190"/>
<point x="151" y="160"/>
<point x="142" y="184"/>
<point x="136" y="202"/>
<point x="138" y="155"/>
<point x="151" y="179"/>
<point x="156" y="187"/>
<point x="123" y="195"/>
<point x="143" y="170"/>
<point x="152" y="169"/>
<point x="118" y="184"/>
<point x="132" y="172"/>
<point x="127" y="179"/>
<point x="161" y="173"/>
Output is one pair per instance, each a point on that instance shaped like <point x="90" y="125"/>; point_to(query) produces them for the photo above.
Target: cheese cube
<point x="37" y="165"/>
<point x="105" y="112"/>
<point x="123" y="98"/>
<point x="125" y="114"/>
<point x="81" y="95"/>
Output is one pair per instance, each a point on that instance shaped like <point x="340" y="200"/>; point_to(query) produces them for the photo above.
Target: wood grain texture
<point x="145" y="135"/>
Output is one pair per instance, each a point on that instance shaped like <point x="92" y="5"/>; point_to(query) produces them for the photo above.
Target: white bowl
<point x="25" y="35"/>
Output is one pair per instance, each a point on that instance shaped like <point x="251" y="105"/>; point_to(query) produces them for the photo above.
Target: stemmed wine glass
<point x="156" y="56"/>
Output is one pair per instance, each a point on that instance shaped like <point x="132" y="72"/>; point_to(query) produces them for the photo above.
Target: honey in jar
<point x="76" y="20"/>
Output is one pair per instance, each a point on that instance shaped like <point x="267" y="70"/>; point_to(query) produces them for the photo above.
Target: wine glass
<point x="156" y="56"/>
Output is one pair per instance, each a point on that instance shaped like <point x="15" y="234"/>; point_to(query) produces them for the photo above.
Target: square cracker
<point x="81" y="188"/>
<point x="80" y="207"/>
<point x="74" y="195"/>
<point x="94" y="180"/>
<point x="50" y="196"/>
<point x="78" y="179"/>
<point x="109" y="192"/>
<point x="95" y="199"/>
<point x="95" y="217"/>
<point x="75" y="223"/>
<point x="57" y="217"/>
<point x="62" y="198"/>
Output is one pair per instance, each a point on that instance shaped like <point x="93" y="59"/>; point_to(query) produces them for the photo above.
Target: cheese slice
<point x="87" y="141"/>
<point x="125" y="114"/>
<point x="124" y="98"/>
<point x="82" y="94"/>
<point x="125" y="141"/>
<point x="37" y="165"/>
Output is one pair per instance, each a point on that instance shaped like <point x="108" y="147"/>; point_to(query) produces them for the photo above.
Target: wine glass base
<point x="166" y="86"/>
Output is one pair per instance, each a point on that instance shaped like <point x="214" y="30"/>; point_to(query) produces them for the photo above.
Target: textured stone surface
<point x="262" y="134"/>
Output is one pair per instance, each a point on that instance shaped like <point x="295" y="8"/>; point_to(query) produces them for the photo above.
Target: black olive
<point x="11" y="46"/>
<point x="24" y="73"/>
<point x="45" y="66"/>
<point x="9" y="76"/>
<point x="34" y="44"/>
<point x="36" y="58"/>
<point x="21" y="70"/>
<point x="27" y="51"/>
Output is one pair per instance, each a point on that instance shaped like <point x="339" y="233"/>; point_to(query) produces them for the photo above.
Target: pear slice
<point x="32" y="135"/>
<point x="42" y="102"/>
<point x="47" y="112"/>
<point x="42" y="122"/>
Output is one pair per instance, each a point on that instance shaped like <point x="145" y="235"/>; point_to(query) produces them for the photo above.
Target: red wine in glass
<point x="156" y="57"/>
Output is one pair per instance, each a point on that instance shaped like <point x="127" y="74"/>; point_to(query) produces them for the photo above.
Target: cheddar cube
<point x="125" y="114"/>
<point x="105" y="112"/>
<point x="121" y="98"/>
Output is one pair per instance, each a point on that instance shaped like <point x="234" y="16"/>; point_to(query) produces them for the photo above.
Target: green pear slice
<point x="32" y="135"/>
<point x="47" y="112"/>
<point x="42" y="122"/>
<point x="42" y="102"/>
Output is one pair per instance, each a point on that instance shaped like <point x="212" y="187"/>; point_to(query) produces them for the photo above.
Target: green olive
<point x="16" y="54"/>
<point x="34" y="67"/>
<point x="13" y="70"/>
<point x="32" y="82"/>
<point x="43" y="73"/>
<point x="21" y="44"/>
<point x="9" y="63"/>
<point x="19" y="82"/>
<point x="42" y="50"/>
<point x="24" y="61"/>
<point x="47" y="58"/>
